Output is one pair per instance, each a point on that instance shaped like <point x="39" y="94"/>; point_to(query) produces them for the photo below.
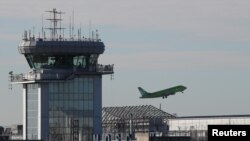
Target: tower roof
<point x="60" y="47"/>
<point x="137" y="112"/>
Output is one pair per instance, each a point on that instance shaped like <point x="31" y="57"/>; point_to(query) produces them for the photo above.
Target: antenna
<point x="63" y="34"/>
<point x="78" y="33"/>
<point x="80" y="30"/>
<point x="54" y="20"/>
<point x="93" y="35"/>
<point x="69" y="27"/>
<point x="42" y="26"/>
<point x="60" y="24"/>
<point x="96" y="35"/>
<point x="44" y="35"/>
<point x="89" y="29"/>
<point x="73" y="24"/>
<point x="33" y="32"/>
<point x="29" y="34"/>
<point x="25" y="35"/>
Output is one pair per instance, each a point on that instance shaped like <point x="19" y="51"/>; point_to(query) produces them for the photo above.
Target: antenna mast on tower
<point x="54" y="21"/>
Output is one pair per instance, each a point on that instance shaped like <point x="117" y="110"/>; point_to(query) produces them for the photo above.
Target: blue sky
<point x="201" y="44"/>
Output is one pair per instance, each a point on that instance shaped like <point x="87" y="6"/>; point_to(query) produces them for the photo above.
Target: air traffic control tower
<point x="62" y="93"/>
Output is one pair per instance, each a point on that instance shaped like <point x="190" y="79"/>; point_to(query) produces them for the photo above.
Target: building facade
<point x="62" y="93"/>
<point x="196" y="127"/>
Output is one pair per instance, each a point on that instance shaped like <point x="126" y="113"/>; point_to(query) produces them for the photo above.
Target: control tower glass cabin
<point x="62" y="94"/>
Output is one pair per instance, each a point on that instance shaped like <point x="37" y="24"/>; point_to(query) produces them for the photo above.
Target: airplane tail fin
<point x="143" y="92"/>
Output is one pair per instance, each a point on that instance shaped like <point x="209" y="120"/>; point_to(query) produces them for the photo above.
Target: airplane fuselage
<point x="163" y="93"/>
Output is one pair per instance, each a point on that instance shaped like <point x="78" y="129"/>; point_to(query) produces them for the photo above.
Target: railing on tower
<point x="47" y="75"/>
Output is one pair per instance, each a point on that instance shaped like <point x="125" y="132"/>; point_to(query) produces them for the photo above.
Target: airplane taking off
<point x="163" y="93"/>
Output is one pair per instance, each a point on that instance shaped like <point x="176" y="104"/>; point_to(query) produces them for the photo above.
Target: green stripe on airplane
<point x="163" y="93"/>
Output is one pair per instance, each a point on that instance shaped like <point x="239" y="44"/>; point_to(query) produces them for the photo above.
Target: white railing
<point x="53" y="75"/>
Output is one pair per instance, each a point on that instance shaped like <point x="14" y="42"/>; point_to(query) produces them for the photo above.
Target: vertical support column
<point x="24" y="111"/>
<point x="39" y="112"/>
<point x="97" y="105"/>
<point x="44" y="111"/>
